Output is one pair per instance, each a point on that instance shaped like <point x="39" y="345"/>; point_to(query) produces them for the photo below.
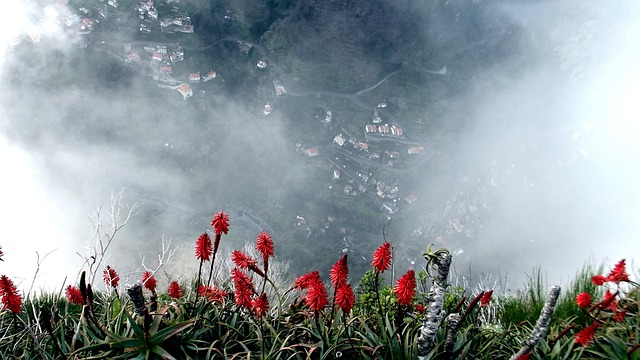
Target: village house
<point x="132" y="56"/>
<point x="339" y="139"/>
<point x="176" y="55"/>
<point x="279" y="87"/>
<point x="194" y="77"/>
<point x="383" y="129"/>
<point x="185" y="91"/>
<point x="328" y="116"/>
<point x="209" y="76"/>
<point x="157" y="56"/>
<point x="396" y="131"/>
<point x="411" y="198"/>
<point x="86" y="25"/>
<point x="390" y="207"/>
<point x="312" y="151"/>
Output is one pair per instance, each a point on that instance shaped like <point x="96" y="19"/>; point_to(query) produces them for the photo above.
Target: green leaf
<point x="156" y="349"/>
<point x="170" y="331"/>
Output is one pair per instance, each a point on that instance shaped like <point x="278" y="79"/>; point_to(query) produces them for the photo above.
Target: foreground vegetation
<point x="249" y="315"/>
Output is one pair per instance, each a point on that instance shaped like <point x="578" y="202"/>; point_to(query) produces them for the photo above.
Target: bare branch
<point x="103" y="235"/>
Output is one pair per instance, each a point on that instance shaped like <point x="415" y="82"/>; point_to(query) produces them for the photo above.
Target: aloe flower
<point x="583" y="300"/>
<point x="260" y="305"/>
<point x="339" y="272"/>
<point x="619" y="316"/>
<point x="316" y="296"/>
<point x="382" y="258"/>
<point x="212" y="293"/>
<point x="609" y="301"/>
<point x="618" y="274"/>
<point x="486" y="298"/>
<point x="73" y="295"/>
<point x="244" y="261"/>
<point x="203" y="247"/>
<point x="220" y="222"/>
<point x="110" y="277"/>
<point x="345" y="297"/>
<point x="9" y="295"/>
<point x="598" y="280"/>
<point x="264" y="245"/>
<point x="586" y="335"/>
<point x="174" y="290"/>
<point x="149" y="281"/>
<point x="304" y="281"/>
<point x="243" y="288"/>
<point x="405" y="288"/>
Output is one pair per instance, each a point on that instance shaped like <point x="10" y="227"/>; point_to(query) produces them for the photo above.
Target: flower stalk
<point x="440" y="261"/>
<point x="541" y="325"/>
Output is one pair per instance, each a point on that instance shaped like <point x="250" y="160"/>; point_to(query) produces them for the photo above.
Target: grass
<point x="117" y="323"/>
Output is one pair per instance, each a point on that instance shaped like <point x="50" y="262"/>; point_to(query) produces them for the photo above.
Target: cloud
<point x="546" y="160"/>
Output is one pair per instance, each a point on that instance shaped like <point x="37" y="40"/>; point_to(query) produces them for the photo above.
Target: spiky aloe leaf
<point x="158" y="350"/>
<point x="170" y="331"/>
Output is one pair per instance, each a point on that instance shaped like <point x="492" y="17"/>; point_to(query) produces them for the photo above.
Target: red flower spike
<point x="420" y="308"/>
<point x="260" y="305"/>
<point x="339" y="272"/>
<point x="110" y="277"/>
<point x="609" y="301"/>
<point x="264" y="244"/>
<point x="9" y="295"/>
<point x="304" y="281"/>
<point x="619" y="273"/>
<point x="405" y="288"/>
<point x="316" y="296"/>
<point x="583" y="300"/>
<point x="345" y="297"/>
<point x="598" y="280"/>
<point x="526" y="356"/>
<point x="212" y="293"/>
<point x="619" y="316"/>
<point x="243" y="288"/>
<point x="174" y="290"/>
<point x="244" y="261"/>
<point x="586" y="335"/>
<point x="1" y="254"/>
<point x="149" y="281"/>
<point x="220" y="223"/>
<point x="382" y="258"/>
<point x="486" y="298"/>
<point x="203" y="247"/>
<point x="73" y="295"/>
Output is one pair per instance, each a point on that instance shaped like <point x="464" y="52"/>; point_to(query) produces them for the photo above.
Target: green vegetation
<point x="250" y="316"/>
